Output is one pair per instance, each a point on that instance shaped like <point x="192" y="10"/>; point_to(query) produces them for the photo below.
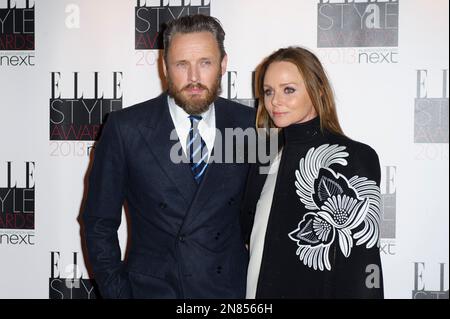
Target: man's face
<point x="194" y="70"/>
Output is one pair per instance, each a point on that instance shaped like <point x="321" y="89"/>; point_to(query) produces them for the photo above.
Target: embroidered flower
<point x="336" y="207"/>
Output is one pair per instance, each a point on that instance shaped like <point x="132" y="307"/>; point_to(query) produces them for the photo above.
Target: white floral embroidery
<point x="336" y="207"/>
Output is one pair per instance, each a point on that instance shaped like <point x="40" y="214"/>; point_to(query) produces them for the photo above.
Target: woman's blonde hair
<point x="317" y="86"/>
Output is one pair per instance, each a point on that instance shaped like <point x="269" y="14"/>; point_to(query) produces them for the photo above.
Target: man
<point x="184" y="238"/>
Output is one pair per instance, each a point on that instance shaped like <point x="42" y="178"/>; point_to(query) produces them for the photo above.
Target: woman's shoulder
<point x="362" y="159"/>
<point x="354" y="147"/>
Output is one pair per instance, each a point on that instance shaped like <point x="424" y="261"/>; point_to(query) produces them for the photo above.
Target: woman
<point x="314" y="219"/>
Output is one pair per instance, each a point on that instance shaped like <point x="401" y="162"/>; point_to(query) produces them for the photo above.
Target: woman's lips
<point x="277" y="114"/>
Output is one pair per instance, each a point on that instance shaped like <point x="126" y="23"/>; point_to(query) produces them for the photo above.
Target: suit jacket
<point x="184" y="239"/>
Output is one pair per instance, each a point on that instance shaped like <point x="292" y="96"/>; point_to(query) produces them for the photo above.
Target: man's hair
<point x="194" y="24"/>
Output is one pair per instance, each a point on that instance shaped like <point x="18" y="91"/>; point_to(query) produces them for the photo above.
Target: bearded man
<point x="184" y="237"/>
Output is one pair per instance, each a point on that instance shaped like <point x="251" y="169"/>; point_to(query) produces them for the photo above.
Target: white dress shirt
<point x="258" y="235"/>
<point x="206" y="127"/>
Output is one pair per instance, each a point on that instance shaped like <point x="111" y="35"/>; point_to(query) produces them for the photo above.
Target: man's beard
<point x="195" y="105"/>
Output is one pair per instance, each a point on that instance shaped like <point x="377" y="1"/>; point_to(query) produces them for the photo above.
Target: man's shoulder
<point x="235" y="106"/>
<point x="141" y="110"/>
<point x="241" y="113"/>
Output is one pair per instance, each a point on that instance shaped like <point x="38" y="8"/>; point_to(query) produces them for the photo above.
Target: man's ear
<point x="164" y="67"/>
<point x="224" y="64"/>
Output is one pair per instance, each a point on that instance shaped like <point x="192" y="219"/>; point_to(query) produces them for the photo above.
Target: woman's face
<point x="285" y="96"/>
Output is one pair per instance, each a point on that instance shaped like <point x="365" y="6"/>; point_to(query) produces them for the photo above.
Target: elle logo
<point x="17" y="195"/>
<point x="357" y="24"/>
<point x="431" y="114"/>
<point x="66" y="279"/>
<point x="17" y="26"/>
<point x="152" y="15"/>
<point x="76" y="117"/>
<point x="420" y="278"/>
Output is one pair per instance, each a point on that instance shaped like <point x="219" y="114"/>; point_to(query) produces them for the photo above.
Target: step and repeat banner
<point x="65" y="64"/>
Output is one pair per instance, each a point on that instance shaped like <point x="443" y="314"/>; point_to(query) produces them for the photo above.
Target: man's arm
<point x="103" y="211"/>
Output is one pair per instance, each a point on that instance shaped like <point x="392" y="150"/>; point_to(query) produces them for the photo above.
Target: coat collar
<point x="156" y="131"/>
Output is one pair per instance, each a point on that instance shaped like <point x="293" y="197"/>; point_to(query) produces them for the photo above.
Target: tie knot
<point x="196" y="118"/>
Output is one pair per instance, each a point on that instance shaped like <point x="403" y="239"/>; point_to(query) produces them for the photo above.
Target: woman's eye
<point x="289" y="90"/>
<point x="267" y="92"/>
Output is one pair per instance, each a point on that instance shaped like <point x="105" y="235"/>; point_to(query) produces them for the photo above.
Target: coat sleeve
<point x="360" y="275"/>
<point x="103" y="210"/>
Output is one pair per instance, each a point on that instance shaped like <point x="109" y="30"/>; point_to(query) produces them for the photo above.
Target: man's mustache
<point x="195" y="86"/>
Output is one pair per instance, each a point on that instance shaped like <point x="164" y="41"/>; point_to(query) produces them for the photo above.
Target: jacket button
<point x="251" y="213"/>
<point x="182" y="238"/>
<point x="162" y="205"/>
<point x="217" y="236"/>
<point x="231" y="201"/>
<point x="219" y="269"/>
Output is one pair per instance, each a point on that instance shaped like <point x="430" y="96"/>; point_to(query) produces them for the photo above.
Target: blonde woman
<point x="313" y="221"/>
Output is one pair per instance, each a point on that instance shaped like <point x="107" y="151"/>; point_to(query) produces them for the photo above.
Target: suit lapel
<point x="156" y="132"/>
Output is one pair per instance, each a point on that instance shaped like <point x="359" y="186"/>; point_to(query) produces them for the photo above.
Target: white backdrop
<point x="387" y="60"/>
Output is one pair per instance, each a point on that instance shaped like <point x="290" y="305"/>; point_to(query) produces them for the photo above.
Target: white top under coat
<point x="258" y="235"/>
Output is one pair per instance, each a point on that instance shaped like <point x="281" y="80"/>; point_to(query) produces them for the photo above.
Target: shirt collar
<point x="181" y="115"/>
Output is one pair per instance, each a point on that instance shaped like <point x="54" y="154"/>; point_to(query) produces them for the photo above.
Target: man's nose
<point x="193" y="74"/>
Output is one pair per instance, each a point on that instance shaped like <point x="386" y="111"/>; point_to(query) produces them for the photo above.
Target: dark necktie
<point x="196" y="149"/>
